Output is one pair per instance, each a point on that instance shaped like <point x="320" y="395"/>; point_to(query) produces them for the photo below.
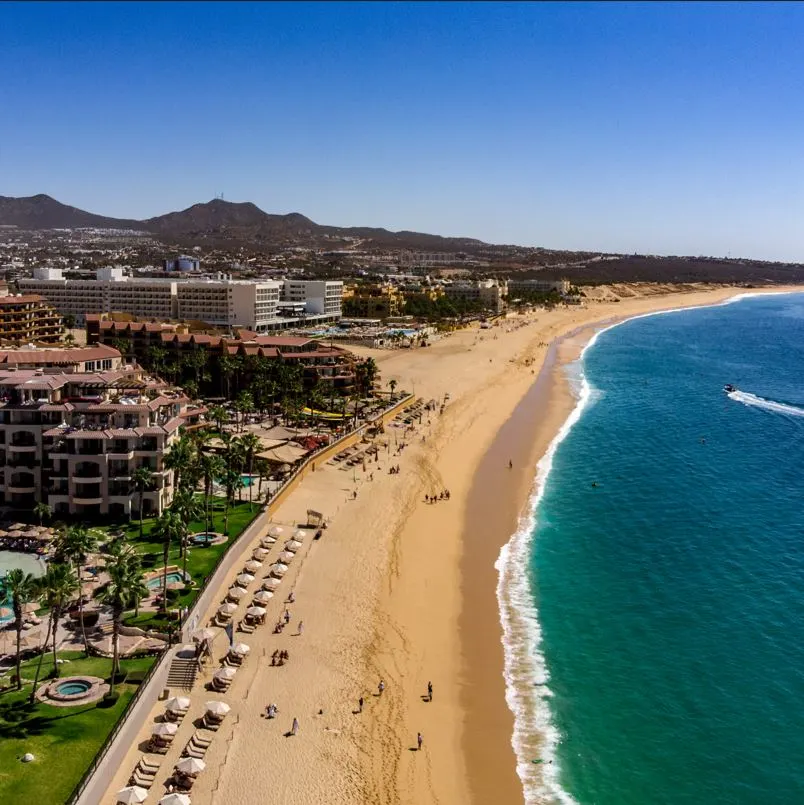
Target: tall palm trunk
<point x="207" y="493"/>
<point x="226" y="515"/>
<point x="142" y="500"/>
<point x="81" y="612"/>
<point x="250" y="479"/>
<point x="32" y="697"/>
<point x="116" y="618"/>
<point x="165" y="558"/>
<point x="18" y="661"/>
<point x="56" y="616"/>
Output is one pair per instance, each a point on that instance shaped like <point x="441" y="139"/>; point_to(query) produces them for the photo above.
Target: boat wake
<point x="753" y="401"/>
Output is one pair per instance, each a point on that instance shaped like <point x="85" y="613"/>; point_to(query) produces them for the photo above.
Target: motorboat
<point x="728" y="388"/>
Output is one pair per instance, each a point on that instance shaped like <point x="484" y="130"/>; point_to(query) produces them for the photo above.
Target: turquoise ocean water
<point x="667" y="638"/>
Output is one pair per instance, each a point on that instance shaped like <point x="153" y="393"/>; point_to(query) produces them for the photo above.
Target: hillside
<point x="223" y="222"/>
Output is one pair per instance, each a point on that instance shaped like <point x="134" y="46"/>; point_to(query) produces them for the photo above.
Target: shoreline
<point x="518" y="629"/>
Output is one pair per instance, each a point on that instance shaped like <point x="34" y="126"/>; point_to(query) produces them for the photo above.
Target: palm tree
<point x="229" y="365"/>
<point x="143" y="479"/>
<point x="42" y="512"/>
<point x="56" y="587"/>
<point x="250" y="444"/>
<point x="168" y="528"/>
<point x="123" y="591"/>
<point x="232" y="481"/>
<point x="392" y="384"/>
<point x="21" y="587"/>
<point x="187" y="508"/>
<point x="218" y="414"/>
<point x="179" y="458"/>
<point x="234" y="457"/>
<point x="212" y="467"/>
<point x="75" y="544"/>
<point x="244" y="406"/>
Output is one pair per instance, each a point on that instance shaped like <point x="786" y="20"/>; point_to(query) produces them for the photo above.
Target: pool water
<point x="249" y="480"/>
<point x="203" y="539"/>
<point x="72" y="688"/>
<point x="156" y="583"/>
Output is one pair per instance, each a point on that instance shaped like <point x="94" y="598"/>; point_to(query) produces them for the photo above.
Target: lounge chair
<point x="150" y="764"/>
<point x="142" y="782"/>
<point x="247" y="628"/>
<point x="193" y="751"/>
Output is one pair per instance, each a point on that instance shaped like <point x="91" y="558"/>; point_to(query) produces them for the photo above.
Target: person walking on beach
<point x="380" y="688"/>
<point x="286" y="616"/>
<point x="510" y="465"/>
<point x="360" y="705"/>
<point x="295" y="727"/>
<point x="301" y="628"/>
<point x="429" y="691"/>
<point x="419" y="741"/>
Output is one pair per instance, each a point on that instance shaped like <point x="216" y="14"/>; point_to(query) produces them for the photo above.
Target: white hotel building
<point x="223" y="302"/>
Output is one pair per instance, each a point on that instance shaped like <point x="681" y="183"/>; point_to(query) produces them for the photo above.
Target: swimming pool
<point x="156" y="583"/>
<point x="73" y="687"/>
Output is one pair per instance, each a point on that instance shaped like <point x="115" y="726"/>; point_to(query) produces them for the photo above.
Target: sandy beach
<point x="402" y="590"/>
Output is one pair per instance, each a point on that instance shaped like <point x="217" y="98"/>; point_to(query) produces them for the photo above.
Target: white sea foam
<point x="526" y="674"/>
<point x="746" y="398"/>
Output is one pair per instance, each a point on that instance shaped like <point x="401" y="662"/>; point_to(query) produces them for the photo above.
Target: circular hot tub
<point x="72" y="690"/>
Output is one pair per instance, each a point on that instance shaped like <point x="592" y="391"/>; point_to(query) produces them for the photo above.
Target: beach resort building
<point x="73" y="438"/>
<point x="517" y="287"/>
<point x="321" y="362"/>
<point x="217" y="301"/>
<point x="488" y="294"/>
<point x="374" y="301"/>
<point x="28" y="318"/>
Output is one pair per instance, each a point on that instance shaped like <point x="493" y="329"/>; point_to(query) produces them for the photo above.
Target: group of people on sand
<point x="280" y="657"/>
<point x="394" y="470"/>
<point x="444" y="495"/>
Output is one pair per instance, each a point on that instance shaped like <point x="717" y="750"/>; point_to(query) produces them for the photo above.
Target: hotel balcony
<point x="22" y="448"/>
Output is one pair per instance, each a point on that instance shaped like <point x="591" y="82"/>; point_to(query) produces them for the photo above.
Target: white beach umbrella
<point x="178" y="704"/>
<point x="300" y="535"/>
<point x="175" y="799"/>
<point x="241" y="649"/>
<point x="228" y="608"/>
<point x="276" y="531"/>
<point x="279" y="569"/>
<point x="260" y="553"/>
<point x="271" y="584"/>
<point x="244" y="579"/>
<point x="205" y="634"/>
<point x="256" y="612"/>
<point x="190" y="765"/>
<point x="267" y="542"/>
<point x="217" y="708"/>
<point x="263" y="596"/>
<point x="292" y="545"/>
<point x="132" y="794"/>
<point x="165" y="728"/>
<point x="253" y="565"/>
<point x="286" y="557"/>
<point x="236" y="592"/>
<point x="227" y="673"/>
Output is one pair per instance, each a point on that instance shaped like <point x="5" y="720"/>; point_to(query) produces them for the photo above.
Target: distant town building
<point x="374" y="301"/>
<point x="182" y="263"/>
<point x="321" y="298"/>
<point x="63" y="359"/>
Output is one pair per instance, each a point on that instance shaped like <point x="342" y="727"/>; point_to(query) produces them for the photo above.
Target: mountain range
<point x="222" y="222"/>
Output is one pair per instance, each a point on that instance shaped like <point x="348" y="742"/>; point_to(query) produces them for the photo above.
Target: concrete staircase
<point x="182" y="673"/>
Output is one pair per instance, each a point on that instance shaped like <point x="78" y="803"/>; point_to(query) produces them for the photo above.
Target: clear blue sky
<point x="660" y="128"/>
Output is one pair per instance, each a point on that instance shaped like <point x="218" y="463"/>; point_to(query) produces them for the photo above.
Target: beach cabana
<point x="225" y="674"/>
<point x="227" y="610"/>
<point x="271" y="584"/>
<point x="178" y="704"/>
<point x="260" y="554"/>
<point x="218" y="709"/>
<point x="240" y="649"/>
<point x="236" y="593"/>
<point x="132" y="794"/>
<point x="190" y="766"/>
<point x="175" y="799"/>
<point x="292" y="545"/>
<point x="165" y="729"/>
<point x="299" y="535"/>
<point x="244" y="579"/>
<point x="276" y="531"/>
<point x="263" y="597"/>
<point x="286" y="557"/>
<point x="252" y="565"/>
<point x="279" y="569"/>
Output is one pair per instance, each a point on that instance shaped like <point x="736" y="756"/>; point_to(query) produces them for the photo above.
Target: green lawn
<point x="63" y="740"/>
<point x="201" y="560"/>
